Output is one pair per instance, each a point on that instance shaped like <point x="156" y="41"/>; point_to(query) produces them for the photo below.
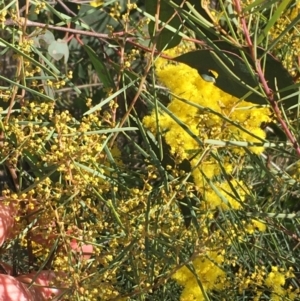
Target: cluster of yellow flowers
<point x="210" y="274"/>
<point x="135" y="228"/>
<point x="96" y="3"/>
<point x="191" y="95"/>
<point x="288" y="44"/>
<point x="185" y="83"/>
<point x="276" y="280"/>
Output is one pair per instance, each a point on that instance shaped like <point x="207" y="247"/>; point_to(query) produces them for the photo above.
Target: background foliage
<point x="149" y="149"/>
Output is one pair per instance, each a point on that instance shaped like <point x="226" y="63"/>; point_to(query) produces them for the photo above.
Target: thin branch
<point x="262" y="79"/>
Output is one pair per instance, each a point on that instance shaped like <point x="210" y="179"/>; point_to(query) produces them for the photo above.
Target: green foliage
<point x="100" y="68"/>
<point x="167" y="37"/>
<point x="130" y="159"/>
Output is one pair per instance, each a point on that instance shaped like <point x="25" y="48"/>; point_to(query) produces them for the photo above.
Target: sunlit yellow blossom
<point x="3" y="13"/>
<point x="203" y="119"/>
<point x="210" y="274"/>
<point x="96" y="3"/>
<point x="205" y="124"/>
<point x="259" y="225"/>
<point x="275" y="281"/>
<point x="212" y="200"/>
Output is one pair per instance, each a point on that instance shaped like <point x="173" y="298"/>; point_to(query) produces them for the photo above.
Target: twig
<point x="147" y="68"/>
<point x="29" y="23"/>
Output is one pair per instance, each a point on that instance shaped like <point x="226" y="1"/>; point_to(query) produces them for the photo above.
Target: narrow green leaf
<point x="100" y="68"/>
<point x="166" y="39"/>
<point x="283" y="33"/>
<point x="273" y="20"/>
<point x="33" y="92"/>
<point x="55" y="71"/>
<point x="260" y="4"/>
<point x="107" y="100"/>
